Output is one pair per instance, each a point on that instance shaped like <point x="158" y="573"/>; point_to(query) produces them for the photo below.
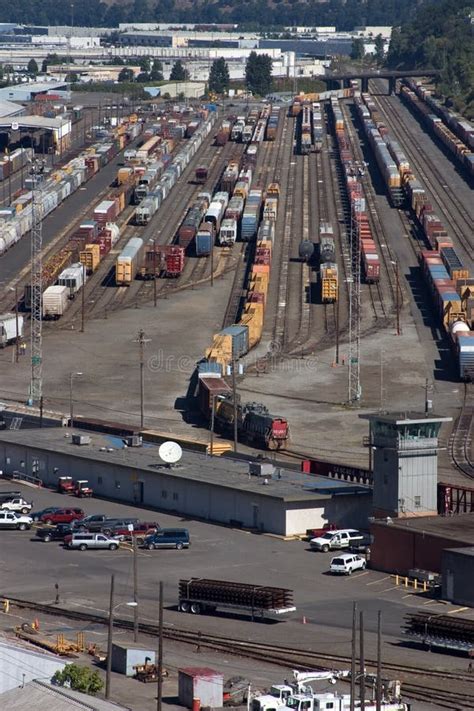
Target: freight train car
<point x="306" y="130"/>
<point x="128" y="261"/>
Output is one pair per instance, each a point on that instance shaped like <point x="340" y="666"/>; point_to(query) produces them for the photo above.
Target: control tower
<point x="405" y="463"/>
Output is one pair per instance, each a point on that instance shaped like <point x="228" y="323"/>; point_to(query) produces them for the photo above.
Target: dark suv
<point x="54" y="534"/>
<point x="168" y="538"/>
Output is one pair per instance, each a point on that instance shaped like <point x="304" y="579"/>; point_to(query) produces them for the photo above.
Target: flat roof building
<point x="287" y="502"/>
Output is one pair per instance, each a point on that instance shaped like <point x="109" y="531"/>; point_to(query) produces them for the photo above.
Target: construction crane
<point x="354" y="387"/>
<point x="36" y="384"/>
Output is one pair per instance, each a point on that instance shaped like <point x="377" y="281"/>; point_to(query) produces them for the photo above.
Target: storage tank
<point x="306" y="250"/>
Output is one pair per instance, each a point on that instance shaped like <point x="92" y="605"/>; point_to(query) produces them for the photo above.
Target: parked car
<point x="111" y="523"/>
<point x="346" y="563"/>
<point x="317" y="532"/>
<point x="362" y="545"/>
<point x="58" y="533"/>
<point x="13" y="520"/>
<point x="93" y="523"/>
<point x="168" y="538"/>
<point x="140" y="530"/>
<point x="95" y="541"/>
<point x="335" y="539"/>
<point x="36" y="515"/>
<point x="17" y="504"/>
<point x="62" y="516"/>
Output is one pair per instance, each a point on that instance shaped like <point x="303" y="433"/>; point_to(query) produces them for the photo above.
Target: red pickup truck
<point x="316" y="532"/>
<point x="62" y="516"/>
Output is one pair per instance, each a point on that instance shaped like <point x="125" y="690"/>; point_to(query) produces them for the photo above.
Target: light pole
<point x="71" y="402"/>
<point x="112" y="609"/>
<point x="397" y="295"/>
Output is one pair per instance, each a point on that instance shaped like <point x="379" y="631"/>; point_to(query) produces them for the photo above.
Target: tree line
<point x="253" y="14"/>
<point x="440" y="37"/>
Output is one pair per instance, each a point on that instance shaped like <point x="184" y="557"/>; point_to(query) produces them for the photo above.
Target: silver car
<point x="84" y="541"/>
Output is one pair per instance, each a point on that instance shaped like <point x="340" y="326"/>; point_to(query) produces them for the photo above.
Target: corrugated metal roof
<point x="41" y="696"/>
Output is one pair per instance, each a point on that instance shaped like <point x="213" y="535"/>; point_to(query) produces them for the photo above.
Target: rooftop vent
<point x="133" y="441"/>
<point x="81" y="440"/>
<point x="261" y="469"/>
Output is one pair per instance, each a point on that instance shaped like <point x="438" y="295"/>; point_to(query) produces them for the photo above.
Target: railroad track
<point x="460" y="440"/>
<point x="430" y="175"/>
<point x="381" y="309"/>
<point x="419" y="683"/>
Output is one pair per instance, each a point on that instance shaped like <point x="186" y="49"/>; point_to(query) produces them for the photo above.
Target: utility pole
<point x="154" y="274"/>
<point x="108" y="672"/>
<point x="353" y="657"/>
<point x="213" y="411"/>
<point x="83" y="297"/>
<point x="234" y="399"/>
<point x="142" y="341"/>
<point x="361" y="661"/>
<point x="135" y="590"/>
<point x="397" y="274"/>
<point x="160" y="650"/>
<point x="378" y="690"/>
<point x="36" y="384"/>
<point x="355" y="391"/>
<point x="17" y="340"/>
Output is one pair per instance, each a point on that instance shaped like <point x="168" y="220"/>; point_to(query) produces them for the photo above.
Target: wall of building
<point x="397" y="550"/>
<point x="161" y="490"/>
<point x="458" y="576"/>
<point x="21" y="666"/>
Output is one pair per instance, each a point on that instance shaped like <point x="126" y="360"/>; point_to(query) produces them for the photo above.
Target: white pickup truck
<point x="336" y="539"/>
<point x="17" y="504"/>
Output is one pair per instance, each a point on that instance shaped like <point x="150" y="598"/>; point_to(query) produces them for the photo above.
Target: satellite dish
<point x="170" y="452"/>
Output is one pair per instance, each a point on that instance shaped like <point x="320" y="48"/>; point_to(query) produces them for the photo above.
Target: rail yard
<point x="261" y="278"/>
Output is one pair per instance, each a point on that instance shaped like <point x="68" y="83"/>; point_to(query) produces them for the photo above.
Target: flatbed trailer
<point x="201" y="596"/>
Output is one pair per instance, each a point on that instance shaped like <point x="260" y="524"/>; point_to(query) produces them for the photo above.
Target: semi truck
<point x="201" y="595"/>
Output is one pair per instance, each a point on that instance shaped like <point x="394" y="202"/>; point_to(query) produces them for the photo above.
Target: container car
<point x="127" y="263"/>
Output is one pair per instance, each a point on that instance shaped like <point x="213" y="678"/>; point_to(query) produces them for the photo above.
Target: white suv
<point x="17" y="505"/>
<point x="12" y="520"/>
<point x="346" y="563"/>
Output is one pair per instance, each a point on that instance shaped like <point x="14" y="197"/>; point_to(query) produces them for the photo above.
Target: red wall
<point x="396" y="550"/>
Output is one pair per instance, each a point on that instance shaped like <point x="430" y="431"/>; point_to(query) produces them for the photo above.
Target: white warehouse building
<point x="220" y="489"/>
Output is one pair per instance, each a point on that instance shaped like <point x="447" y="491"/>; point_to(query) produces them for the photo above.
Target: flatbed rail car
<point x="200" y="595"/>
<point x="443" y="631"/>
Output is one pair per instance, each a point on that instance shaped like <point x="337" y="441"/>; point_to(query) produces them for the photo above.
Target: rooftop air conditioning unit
<point x="81" y="439"/>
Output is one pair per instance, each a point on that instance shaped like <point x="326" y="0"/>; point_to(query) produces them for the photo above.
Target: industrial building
<point x="8" y="108"/>
<point x="188" y="89"/>
<point x="457" y="569"/>
<point x="43" y="696"/>
<point x="27" y="92"/>
<point x="400" y="545"/>
<point x="285" y="502"/>
<point x="21" y="665"/>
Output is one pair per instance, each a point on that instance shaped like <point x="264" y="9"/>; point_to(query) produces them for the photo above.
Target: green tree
<point x="358" y="48"/>
<point x="72" y="77"/>
<point x="258" y="73"/>
<point x="379" y="48"/>
<point x="145" y="64"/>
<point x="143" y="77"/>
<point x="178" y="72"/>
<point x="32" y="67"/>
<point x="156" y="73"/>
<point x="79" y="679"/>
<point x="126" y="74"/>
<point x="219" y="79"/>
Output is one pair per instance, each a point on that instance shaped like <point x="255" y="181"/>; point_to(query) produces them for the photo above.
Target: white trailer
<point x="74" y="277"/>
<point x="55" y="301"/>
<point x="8" y="328"/>
<point x="228" y="232"/>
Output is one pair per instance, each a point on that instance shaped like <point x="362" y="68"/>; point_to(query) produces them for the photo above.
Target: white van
<point x="333" y="540"/>
<point x="346" y="563"/>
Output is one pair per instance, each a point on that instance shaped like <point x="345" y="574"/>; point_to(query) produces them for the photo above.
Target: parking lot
<point x="29" y="569"/>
